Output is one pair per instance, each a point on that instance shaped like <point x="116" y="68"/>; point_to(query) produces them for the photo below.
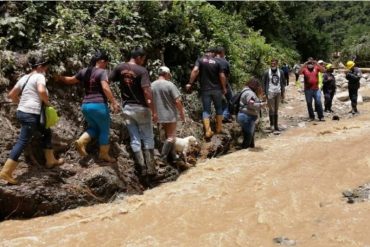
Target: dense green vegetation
<point x="176" y="33"/>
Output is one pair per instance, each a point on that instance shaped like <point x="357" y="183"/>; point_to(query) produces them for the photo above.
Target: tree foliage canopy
<point x="176" y="33"/>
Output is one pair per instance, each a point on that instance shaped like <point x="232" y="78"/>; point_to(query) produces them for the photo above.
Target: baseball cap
<point x="164" y="69"/>
<point x="320" y="61"/>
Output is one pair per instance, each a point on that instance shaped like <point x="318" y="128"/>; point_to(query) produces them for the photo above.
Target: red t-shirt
<point x="311" y="78"/>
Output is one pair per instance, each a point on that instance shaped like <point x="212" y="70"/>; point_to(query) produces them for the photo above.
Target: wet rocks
<point x="342" y="96"/>
<point x="360" y="194"/>
<point x="284" y="241"/>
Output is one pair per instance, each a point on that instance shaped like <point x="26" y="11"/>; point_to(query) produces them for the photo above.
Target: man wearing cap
<point x="212" y="85"/>
<point x="329" y="87"/>
<point x="167" y="101"/>
<point x="310" y="71"/>
<point x="138" y="108"/>
<point x="353" y="76"/>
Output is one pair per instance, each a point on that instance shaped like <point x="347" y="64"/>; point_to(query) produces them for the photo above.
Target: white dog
<point x="182" y="145"/>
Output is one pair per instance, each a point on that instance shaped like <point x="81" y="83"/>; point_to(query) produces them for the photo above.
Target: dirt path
<point x="289" y="186"/>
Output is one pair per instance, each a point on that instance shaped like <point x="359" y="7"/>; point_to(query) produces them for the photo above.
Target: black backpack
<point x="235" y="103"/>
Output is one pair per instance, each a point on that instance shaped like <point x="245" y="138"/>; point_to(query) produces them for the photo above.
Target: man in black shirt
<point x="225" y="65"/>
<point x="212" y="86"/>
<point x="138" y="108"/>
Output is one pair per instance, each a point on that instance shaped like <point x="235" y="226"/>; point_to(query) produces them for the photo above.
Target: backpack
<point x="235" y="103"/>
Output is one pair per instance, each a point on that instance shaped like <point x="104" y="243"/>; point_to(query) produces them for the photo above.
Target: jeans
<point x="98" y="121"/>
<point x="248" y="124"/>
<point x="316" y="95"/>
<point x="138" y="120"/>
<point x="208" y="97"/>
<point x="29" y="126"/>
<point x="353" y="94"/>
<point x="225" y="103"/>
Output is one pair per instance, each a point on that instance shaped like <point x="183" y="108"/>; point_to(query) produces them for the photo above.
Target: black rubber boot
<point x="149" y="161"/>
<point x="252" y="142"/>
<point x="166" y="149"/>
<point x="139" y="159"/>
<point x="276" y="125"/>
<point x="271" y="117"/>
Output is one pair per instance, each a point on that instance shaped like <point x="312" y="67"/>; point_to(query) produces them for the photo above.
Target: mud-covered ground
<point x="291" y="190"/>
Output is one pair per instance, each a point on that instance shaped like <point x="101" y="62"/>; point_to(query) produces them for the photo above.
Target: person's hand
<point x="188" y="88"/>
<point x="58" y="78"/>
<point x="155" y="117"/>
<point x="115" y="107"/>
<point x="224" y="91"/>
<point x="182" y="117"/>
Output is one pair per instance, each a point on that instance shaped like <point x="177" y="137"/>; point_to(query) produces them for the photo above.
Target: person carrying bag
<point x="30" y="93"/>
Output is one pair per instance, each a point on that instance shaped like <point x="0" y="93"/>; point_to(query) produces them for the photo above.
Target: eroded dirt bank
<point x="289" y="186"/>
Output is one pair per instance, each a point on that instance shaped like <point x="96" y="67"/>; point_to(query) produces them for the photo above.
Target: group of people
<point x="144" y="103"/>
<point x="319" y="76"/>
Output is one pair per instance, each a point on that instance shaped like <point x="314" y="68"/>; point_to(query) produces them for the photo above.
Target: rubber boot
<point x="104" y="154"/>
<point x="252" y="145"/>
<point x="139" y="159"/>
<point x="276" y="125"/>
<point x="219" y="119"/>
<point x="166" y="149"/>
<point x="51" y="161"/>
<point x="355" y="109"/>
<point x="207" y="128"/>
<point x="271" y="117"/>
<point x="149" y="161"/>
<point x="7" y="171"/>
<point x="82" y="142"/>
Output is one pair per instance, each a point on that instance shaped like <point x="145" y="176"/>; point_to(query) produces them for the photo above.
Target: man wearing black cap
<point x="213" y="87"/>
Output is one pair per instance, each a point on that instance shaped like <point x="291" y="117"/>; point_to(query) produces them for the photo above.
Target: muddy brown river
<point x="290" y="186"/>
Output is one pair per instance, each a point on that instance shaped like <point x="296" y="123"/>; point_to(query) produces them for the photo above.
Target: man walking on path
<point x="353" y="76"/>
<point x="310" y="71"/>
<point x="138" y="108"/>
<point x="286" y="69"/>
<point x="220" y="55"/>
<point x="296" y="69"/>
<point x="212" y="86"/>
<point x="167" y="100"/>
<point x="274" y="88"/>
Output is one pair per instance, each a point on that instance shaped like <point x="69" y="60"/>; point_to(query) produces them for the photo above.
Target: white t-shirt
<point x="30" y="101"/>
<point x="274" y="83"/>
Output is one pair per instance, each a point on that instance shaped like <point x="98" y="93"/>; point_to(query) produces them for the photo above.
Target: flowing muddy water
<point x="289" y="186"/>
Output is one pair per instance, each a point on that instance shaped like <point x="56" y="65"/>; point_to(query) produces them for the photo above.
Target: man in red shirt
<point x="310" y="71"/>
